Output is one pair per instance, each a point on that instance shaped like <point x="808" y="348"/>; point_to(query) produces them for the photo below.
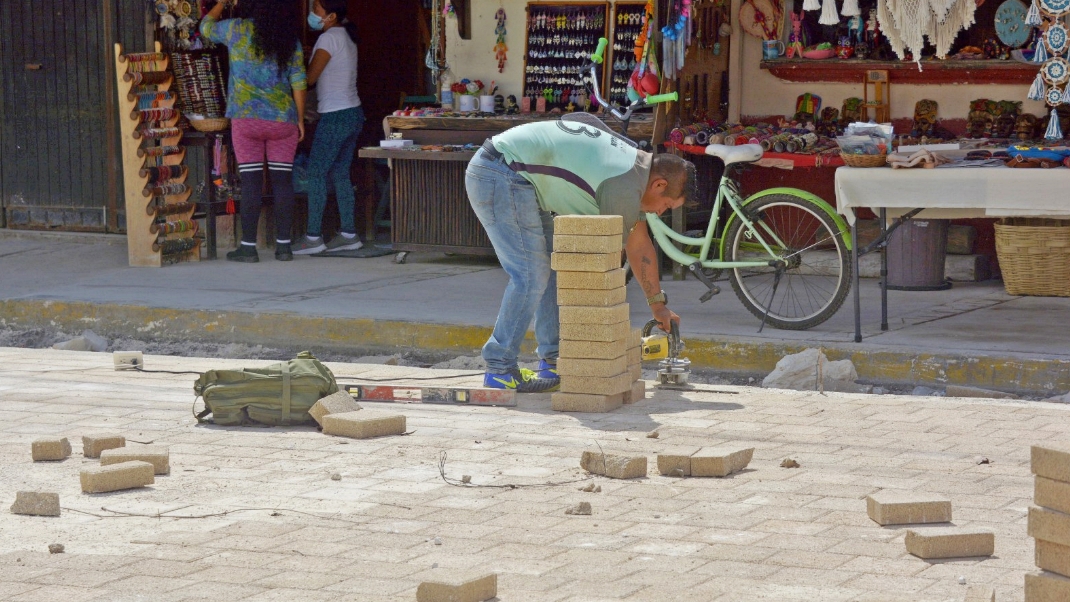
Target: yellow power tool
<point x="666" y="347"/>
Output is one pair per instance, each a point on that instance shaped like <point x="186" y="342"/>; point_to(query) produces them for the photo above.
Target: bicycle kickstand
<point x="696" y="269"/>
<point x="776" y="282"/>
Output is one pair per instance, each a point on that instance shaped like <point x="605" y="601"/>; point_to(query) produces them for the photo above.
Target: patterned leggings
<point x="331" y="156"/>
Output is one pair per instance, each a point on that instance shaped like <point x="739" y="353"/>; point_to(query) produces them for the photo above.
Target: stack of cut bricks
<point x="1049" y="525"/>
<point x="599" y="357"/>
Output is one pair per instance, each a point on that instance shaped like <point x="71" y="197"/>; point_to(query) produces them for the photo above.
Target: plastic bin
<point x="916" y="254"/>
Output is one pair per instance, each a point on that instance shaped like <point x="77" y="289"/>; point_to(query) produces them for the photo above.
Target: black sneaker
<point x="283" y="252"/>
<point x="523" y="381"/>
<point x="244" y="254"/>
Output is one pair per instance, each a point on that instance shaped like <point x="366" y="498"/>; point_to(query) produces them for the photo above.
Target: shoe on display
<point x="307" y="246"/>
<point x="341" y="243"/>
<point x="244" y="254"/>
<point x="284" y="252"/>
<point x="520" y="380"/>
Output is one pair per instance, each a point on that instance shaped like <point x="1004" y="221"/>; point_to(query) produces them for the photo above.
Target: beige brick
<point x="36" y="503"/>
<point x="159" y="457"/>
<point x="635" y="338"/>
<point x="612" y="385"/>
<point x="1052" y="494"/>
<point x="570" y="366"/>
<point x="93" y="445"/>
<point x="1053" y="557"/>
<point x="591" y="280"/>
<point x="585" y="262"/>
<point x="114" y="477"/>
<point x="578" y="349"/>
<point x="584" y="402"/>
<point x="1049" y="525"/>
<point x="635" y="372"/>
<point x="614" y="314"/>
<point x="364" y="424"/>
<point x="338" y="402"/>
<point x="720" y="461"/>
<point x="1051" y="461"/>
<point x="637" y="393"/>
<point x="596" y="332"/>
<point x="1046" y="587"/>
<point x="574" y="243"/>
<point x="50" y="449"/>
<point x="591" y="298"/>
<point x="980" y="593"/>
<point x="589" y="225"/>
<point x="614" y="466"/>
<point x="950" y="542"/>
<point x="676" y="462"/>
<point x="904" y="508"/>
<point x="635" y="355"/>
<point x="449" y="586"/>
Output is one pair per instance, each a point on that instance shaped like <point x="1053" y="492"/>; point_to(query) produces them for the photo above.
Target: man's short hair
<point x="679" y="173"/>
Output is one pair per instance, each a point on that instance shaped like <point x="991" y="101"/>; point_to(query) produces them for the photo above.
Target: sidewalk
<point x="972" y="334"/>
<point x="266" y="520"/>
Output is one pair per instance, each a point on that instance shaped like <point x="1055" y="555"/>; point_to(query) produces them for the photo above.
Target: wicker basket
<point x="1034" y="255"/>
<point x="853" y="160"/>
<point x="210" y="124"/>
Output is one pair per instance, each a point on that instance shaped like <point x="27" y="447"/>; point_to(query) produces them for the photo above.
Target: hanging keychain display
<point x="500" y="49"/>
<point x="560" y="37"/>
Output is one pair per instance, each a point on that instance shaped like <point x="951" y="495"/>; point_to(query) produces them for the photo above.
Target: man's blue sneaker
<point x="523" y="381"/>
<point x="547" y="370"/>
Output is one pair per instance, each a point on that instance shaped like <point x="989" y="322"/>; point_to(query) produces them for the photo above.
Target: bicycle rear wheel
<point x="811" y="249"/>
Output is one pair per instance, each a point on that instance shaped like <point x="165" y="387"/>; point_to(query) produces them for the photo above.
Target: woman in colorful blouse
<point x="266" y="107"/>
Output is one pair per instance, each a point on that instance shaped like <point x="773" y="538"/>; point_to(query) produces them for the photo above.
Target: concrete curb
<point x="883" y="364"/>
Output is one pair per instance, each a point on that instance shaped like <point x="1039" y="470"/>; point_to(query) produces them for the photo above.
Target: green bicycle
<point x="786" y="251"/>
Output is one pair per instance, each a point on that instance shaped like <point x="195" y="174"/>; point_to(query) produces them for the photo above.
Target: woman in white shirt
<point x="333" y="70"/>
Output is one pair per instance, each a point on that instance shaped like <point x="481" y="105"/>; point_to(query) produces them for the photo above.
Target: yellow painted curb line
<point x="874" y="364"/>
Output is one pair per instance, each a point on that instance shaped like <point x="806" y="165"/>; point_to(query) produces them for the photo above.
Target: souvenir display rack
<point x="627" y="23"/>
<point x="159" y="214"/>
<point x="560" y="38"/>
<point x="199" y="81"/>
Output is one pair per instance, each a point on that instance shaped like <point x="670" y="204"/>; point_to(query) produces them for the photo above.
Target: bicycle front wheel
<point x="810" y="249"/>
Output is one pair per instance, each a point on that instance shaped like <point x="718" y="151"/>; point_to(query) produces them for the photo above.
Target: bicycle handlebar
<point x="656" y="98"/>
<point x="597" y="56"/>
<point x="592" y="68"/>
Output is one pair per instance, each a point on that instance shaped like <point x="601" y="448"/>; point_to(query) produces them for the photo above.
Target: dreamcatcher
<point x="1051" y="83"/>
<point x="500" y="49"/>
<point x="179" y="23"/>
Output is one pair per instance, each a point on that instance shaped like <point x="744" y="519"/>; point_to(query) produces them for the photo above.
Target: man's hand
<point x="664" y="315"/>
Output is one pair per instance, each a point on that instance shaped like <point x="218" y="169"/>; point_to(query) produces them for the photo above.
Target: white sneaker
<point x="341" y="243"/>
<point x="307" y="246"/>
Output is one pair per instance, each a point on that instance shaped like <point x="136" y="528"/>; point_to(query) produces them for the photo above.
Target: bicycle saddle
<point x="744" y="153"/>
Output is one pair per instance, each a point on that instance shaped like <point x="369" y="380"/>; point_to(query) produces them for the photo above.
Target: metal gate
<point x="58" y="129"/>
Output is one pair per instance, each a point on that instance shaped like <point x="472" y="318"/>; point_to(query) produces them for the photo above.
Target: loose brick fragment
<point x="93" y="445"/>
<point x="597" y="332"/>
<point x="1046" y="587"/>
<point x="612" y="385"/>
<point x="585" y="262"/>
<point x="905" y="508"/>
<point x="591" y="298"/>
<point x="585" y="402"/>
<point x="50" y="449"/>
<point x="573" y="243"/>
<point x="1049" y="525"/>
<point x="591" y="349"/>
<point x="338" y="402"/>
<point x="614" y="466"/>
<point x="569" y="366"/>
<point x="637" y="393"/>
<point x="115" y="477"/>
<point x="591" y="280"/>
<point x="449" y="586"/>
<point x="1051" y="461"/>
<point x="576" y="314"/>
<point x="980" y="593"/>
<point x="589" y="225"/>
<point x="580" y="509"/>
<point x="950" y="542"/>
<point x="676" y="462"/>
<point x="720" y="461"/>
<point x="36" y="503"/>
<point x="159" y="457"/>
<point x="1053" y="557"/>
<point x="1052" y="494"/>
<point x="364" y="424"/>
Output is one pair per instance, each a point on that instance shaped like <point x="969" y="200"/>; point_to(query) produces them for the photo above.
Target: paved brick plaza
<point x="768" y="533"/>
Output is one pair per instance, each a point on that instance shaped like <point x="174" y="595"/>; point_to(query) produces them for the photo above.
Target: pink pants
<point x="255" y="138"/>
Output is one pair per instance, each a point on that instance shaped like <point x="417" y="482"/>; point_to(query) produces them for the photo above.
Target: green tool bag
<point x="277" y="395"/>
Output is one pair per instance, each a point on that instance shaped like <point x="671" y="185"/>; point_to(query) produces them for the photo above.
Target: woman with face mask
<point x="333" y="70"/>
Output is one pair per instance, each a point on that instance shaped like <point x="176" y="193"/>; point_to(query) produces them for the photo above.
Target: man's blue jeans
<point x="522" y="235"/>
